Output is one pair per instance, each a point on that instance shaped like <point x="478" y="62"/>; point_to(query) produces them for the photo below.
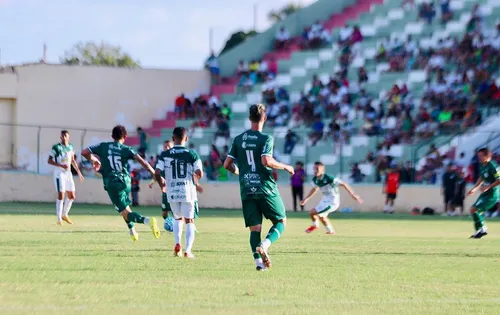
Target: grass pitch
<point x="375" y="265"/>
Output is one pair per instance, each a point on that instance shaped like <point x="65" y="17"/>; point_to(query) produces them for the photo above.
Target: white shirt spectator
<point x="343" y="91"/>
<point x="345" y="33"/>
<point x="263" y="66"/>
<point x="316" y="27"/>
<point x="213" y="100"/>
<point x="437" y="61"/>
<point x="334" y="99"/>
<point x="411" y="47"/>
<point x="242" y="67"/>
<point x="461" y="162"/>
<point x="345" y="109"/>
<point x="440" y="88"/>
<point x="325" y="35"/>
<point x="213" y="62"/>
<point x="282" y="34"/>
<point x="273" y="110"/>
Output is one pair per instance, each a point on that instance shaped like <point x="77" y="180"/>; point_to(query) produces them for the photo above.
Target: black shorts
<point x="448" y="198"/>
<point x="392" y="196"/>
<point x="458" y="202"/>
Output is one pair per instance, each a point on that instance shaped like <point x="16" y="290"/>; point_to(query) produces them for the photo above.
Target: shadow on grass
<point x="26" y="208"/>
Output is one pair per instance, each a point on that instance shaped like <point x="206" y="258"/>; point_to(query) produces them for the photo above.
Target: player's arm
<point x="230" y="166"/>
<point x="77" y="169"/>
<point x="198" y="173"/>
<point x="51" y="161"/>
<point x="267" y="159"/>
<point x="87" y="153"/>
<point x="312" y="192"/>
<point x="351" y="192"/>
<point x="153" y="181"/>
<point x="476" y="186"/>
<point x="496" y="176"/>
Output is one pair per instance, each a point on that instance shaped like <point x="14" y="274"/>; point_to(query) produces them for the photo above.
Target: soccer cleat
<point x="480" y="233"/>
<point x="266" y="260"/>
<point x="134" y="235"/>
<point x="177" y="250"/>
<point x="261" y="268"/>
<point x="59" y="223"/>
<point x="154" y="227"/>
<point x="311" y="228"/>
<point x="67" y="220"/>
<point x="189" y="255"/>
<point x="331" y="233"/>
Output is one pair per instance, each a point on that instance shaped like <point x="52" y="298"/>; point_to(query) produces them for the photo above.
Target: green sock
<point x="130" y="225"/>
<point x="275" y="232"/>
<point x="135" y="217"/>
<point x="254" y="242"/>
<point x="478" y="220"/>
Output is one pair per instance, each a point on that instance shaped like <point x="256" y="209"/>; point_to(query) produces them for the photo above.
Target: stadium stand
<point x="395" y="76"/>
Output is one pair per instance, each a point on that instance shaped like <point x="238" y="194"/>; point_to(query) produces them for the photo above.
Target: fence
<point x="356" y="158"/>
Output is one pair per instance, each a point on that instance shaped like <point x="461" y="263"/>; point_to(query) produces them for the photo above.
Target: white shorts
<point x="183" y="209"/>
<point x="64" y="182"/>
<point x="326" y="206"/>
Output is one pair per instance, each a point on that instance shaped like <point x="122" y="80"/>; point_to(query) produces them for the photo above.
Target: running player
<point x="487" y="183"/>
<point x="390" y="188"/>
<point x="182" y="168"/>
<point x="330" y="201"/>
<point x="112" y="164"/>
<point x="62" y="157"/>
<point x="253" y="153"/>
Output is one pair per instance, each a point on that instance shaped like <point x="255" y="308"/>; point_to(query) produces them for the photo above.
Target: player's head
<point x="65" y="136"/>
<point x="180" y="135"/>
<point x="318" y="169"/>
<point x="257" y="113"/>
<point x="484" y="155"/>
<point x="119" y="133"/>
<point x="167" y="145"/>
<point x="299" y="165"/>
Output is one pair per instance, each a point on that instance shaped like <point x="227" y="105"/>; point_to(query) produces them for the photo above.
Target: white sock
<point x="178" y="225"/>
<point x="329" y="228"/>
<point x="190" y="228"/>
<point x="59" y="209"/>
<point x="67" y="206"/>
<point x="146" y="220"/>
<point x="259" y="263"/>
<point x="266" y="244"/>
<point x="132" y="231"/>
<point x="386" y="208"/>
<point x="315" y="223"/>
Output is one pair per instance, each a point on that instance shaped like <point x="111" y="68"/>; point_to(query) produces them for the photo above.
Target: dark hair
<point x="119" y="132"/>
<point x="318" y="163"/>
<point x="484" y="151"/>
<point x="167" y="141"/>
<point x="179" y="133"/>
<point x="64" y="132"/>
<point x="256" y="112"/>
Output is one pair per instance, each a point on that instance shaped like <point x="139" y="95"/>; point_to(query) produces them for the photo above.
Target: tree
<point x="284" y="12"/>
<point x="236" y="39"/>
<point x="91" y="53"/>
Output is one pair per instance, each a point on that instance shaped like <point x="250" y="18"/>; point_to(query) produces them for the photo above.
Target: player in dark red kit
<point x="391" y="186"/>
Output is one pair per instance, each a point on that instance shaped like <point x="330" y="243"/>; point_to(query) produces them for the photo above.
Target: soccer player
<point x="487" y="183"/>
<point x="111" y="159"/>
<point x="182" y="168"/>
<point x="253" y="153"/>
<point x="62" y="157"/>
<point x="329" y="187"/>
<point x="165" y="206"/>
<point x="391" y="188"/>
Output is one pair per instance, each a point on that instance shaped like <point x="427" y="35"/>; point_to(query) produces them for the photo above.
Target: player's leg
<point x="188" y="210"/>
<point x="253" y="220"/>
<point x="323" y="210"/>
<point x="301" y="196"/>
<point x="386" y="204"/>
<point x="70" y="197"/>
<point x="313" y="214"/>
<point x="477" y="210"/>
<point x="294" y="197"/>
<point x="392" y="197"/>
<point x="60" y="189"/>
<point x="273" y="209"/>
<point x="178" y="227"/>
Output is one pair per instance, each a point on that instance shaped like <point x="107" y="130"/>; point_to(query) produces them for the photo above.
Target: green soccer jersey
<point x="256" y="180"/>
<point x="179" y="165"/>
<point x="114" y="158"/>
<point x="328" y="185"/>
<point x="489" y="173"/>
<point x="62" y="154"/>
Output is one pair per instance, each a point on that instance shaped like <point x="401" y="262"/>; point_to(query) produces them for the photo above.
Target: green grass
<point x="375" y="265"/>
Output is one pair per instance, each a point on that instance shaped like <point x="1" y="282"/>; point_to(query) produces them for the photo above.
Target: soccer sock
<point x="137" y="218"/>
<point x="190" y="227"/>
<point x="59" y="209"/>
<point x="274" y="234"/>
<point x="478" y="220"/>
<point x="254" y="242"/>
<point x="315" y="223"/>
<point x="67" y="206"/>
<point x="329" y="228"/>
<point x="178" y="231"/>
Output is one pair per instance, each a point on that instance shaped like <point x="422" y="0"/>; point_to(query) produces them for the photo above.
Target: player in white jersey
<point x="329" y="187"/>
<point x="182" y="168"/>
<point x="62" y="157"/>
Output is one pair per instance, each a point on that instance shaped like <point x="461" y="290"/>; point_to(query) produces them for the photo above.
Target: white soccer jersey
<point x="62" y="154"/>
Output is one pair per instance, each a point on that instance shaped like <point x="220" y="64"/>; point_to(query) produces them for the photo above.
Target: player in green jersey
<point x="252" y="151"/>
<point x="111" y="159"/>
<point x="487" y="183"/>
<point x="329" y="187"/>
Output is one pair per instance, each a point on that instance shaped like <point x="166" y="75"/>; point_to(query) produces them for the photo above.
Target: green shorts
<point x="119" y="193"/>
<point x="272" y="208"/>
<point x="485" y="203"/>
<point x="165" y="206"/>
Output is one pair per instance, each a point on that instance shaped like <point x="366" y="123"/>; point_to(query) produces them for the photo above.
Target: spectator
<point x="297" y="182"/>
<point x="356" y="175"/>
<point x="135" y="187"/>
<point x="345" y="35"/>
<point x="143" y="140"/>
<point x="291" y="139"/>
<point x="226" y="112"/>
<point x="273" y="67"/>
<point x="317" y="130"/>
<point x="446" y="14"/>
<point x="222" y="128"/>
<point x="214" y="161"/>
<point x="407" y="173"/>
<point x="459" y="192"/>
<point x="212" y="64"/>
<point x="282" y="39"/>
<point x="356" y="36"/>
<point x="448" y="189"/>
<point x="263" y="70"/>
<point x="242" y="69"/>
<point x="180" y="106"/>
